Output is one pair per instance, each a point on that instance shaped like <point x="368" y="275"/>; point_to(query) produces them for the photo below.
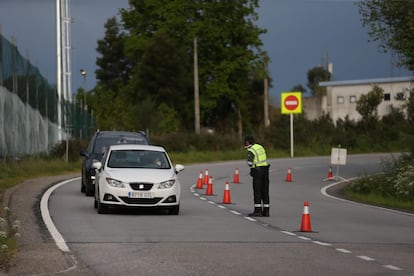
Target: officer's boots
<point x="257" y="212"/>
<point x="265" y="211"/>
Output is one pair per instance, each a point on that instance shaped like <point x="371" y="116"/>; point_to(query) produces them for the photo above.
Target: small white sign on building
<point x="338" y="156"/>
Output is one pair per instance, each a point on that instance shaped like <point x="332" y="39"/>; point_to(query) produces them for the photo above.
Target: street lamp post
<point x="83" y="73"/>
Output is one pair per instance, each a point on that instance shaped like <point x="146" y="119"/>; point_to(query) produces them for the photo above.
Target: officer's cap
<point x="249" y="139"/>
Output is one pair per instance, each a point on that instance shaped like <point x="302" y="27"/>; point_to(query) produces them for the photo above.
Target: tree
<point x="164" y="77"/>
<point x="316" y="75"/>
<point x="229" y="49"/>
<point x="112" y="74"/>
<point x="367" y="105"/>
<point x="113" y="67"/>
<point x="391" y="23"/>
<point x="299" y="87"/>
<point x="410" y="107"/>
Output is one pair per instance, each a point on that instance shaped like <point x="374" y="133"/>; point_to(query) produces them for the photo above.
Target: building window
<point x="352" y="99"/>
<point x="340" y="99"/>
<point x="387" y="96"/>
<point x="399" y="96"/>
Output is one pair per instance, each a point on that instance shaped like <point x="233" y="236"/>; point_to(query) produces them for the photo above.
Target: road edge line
<point x="44" y="210"/>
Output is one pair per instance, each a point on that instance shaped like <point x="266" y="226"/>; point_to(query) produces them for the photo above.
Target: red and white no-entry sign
<point x="291" y="102"/>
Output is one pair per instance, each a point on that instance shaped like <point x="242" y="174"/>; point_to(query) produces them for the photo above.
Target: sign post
<point x="291" y="103"/>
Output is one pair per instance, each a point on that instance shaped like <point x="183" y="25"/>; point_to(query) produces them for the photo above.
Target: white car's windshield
<point x="138" y="159"/>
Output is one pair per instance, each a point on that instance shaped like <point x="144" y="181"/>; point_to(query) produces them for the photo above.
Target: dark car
<point x="96" y="148"/>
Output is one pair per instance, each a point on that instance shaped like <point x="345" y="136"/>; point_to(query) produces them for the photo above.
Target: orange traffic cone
<point x="306" y="223"/>
<point x="289" y="175"/>
<point x="330" y="176"/>
<point x="209" y="190"/>
<point x="236" y="176"/>
<point x="200" y="181"/>
<point x="226" y="196"/>
<point x="205" y="177"/>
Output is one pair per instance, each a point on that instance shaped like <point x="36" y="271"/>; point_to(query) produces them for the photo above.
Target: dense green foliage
<point x="394" y="188"/>
<point x="145" y="68"/>
<point x="391" y="23"/>
<point x="315" y="76"/>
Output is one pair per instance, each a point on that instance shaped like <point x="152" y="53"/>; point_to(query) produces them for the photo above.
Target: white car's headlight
<point x="166" y="184"/>
<point x="115" y="183"/>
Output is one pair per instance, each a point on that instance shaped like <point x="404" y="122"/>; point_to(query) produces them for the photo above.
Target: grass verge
<point x="380" y="201"/>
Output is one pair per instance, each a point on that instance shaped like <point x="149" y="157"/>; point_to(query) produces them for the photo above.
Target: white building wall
<point x="340" y="100"/>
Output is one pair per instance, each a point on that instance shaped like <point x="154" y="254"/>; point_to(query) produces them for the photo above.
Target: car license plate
<point x="140" y="194"/>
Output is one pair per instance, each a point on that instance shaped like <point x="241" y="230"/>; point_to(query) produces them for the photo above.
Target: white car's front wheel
<point x="101" y="208"/>
<point x="174" y="210"/>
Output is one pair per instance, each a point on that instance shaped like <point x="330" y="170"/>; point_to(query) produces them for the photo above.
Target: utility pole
<point x="266" y="93"/>
<point x="196" y="91"/>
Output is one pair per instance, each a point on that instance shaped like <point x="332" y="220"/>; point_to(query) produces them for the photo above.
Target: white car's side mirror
<point x="179" y="168"/>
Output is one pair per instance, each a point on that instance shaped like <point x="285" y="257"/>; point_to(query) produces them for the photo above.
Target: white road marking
<point x="366" y="258"/>
<point x="289" y="233"/>
<point x="322" y="243"/>
<point x="392" y="267"/>
<point x="44" y="209"/>
<point x="343" y="250"/>
<point x="235" y="212"/>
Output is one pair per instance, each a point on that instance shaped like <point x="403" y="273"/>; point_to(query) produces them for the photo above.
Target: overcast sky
<point x="301" y="33"/>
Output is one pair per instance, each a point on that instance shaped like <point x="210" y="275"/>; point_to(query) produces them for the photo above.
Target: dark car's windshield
<point x="138" y="159"/>
<point x="102" y="143"/>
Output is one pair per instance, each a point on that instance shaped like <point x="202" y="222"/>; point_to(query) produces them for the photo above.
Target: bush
<point x="187" y="142"/>
<point x="396" y="185"/>
<point x="9" y="234"/>
<point x="74" y="147"/>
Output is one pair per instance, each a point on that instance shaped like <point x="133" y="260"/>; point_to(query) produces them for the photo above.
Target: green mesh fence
<point x="29" y="108"/>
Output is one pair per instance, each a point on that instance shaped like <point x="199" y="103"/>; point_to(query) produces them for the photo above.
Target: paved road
<point x="210" y="238"/>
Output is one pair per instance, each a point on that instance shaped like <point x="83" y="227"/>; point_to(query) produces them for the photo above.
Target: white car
<point x="139" y="176"/>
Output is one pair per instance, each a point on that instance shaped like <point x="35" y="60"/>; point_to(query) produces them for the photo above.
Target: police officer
<point x="259" y="170"/>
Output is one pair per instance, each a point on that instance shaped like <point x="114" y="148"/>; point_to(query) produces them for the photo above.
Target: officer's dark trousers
<point x="261" y="186"/>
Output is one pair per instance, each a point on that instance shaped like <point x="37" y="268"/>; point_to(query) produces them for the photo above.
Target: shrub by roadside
<point x="9" y="236"/>
<point x="393" y="189"/>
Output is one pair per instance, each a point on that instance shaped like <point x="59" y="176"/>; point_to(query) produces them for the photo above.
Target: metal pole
<point x="266" y="94"/>
<point x="83" y="73"/>
<point x="291" y="135"/>
<point x="196" y="91"/>
<point x="59" y="67"/>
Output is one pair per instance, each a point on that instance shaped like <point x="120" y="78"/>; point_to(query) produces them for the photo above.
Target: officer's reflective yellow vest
<point x="260" y="158"/>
